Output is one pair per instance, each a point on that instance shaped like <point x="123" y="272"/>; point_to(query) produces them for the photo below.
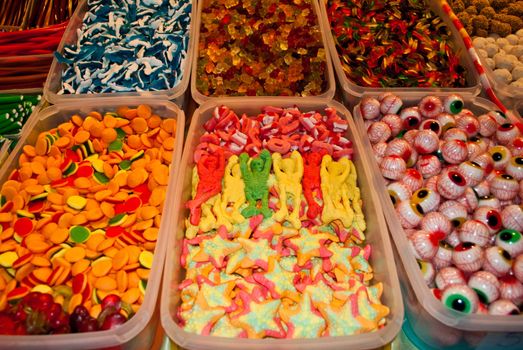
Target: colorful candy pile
<point x="260" y="48"/>
<point x="29" y="14"/>
<point x="128" y="46"/>
<point x="456" y="181"/>
<point x="394" y="44"/>
<point x="274" y="244"/>
<point x="80" y="215"/>
<point x="14" y="111"/>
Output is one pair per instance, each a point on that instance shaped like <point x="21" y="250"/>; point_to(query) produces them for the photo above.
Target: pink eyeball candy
<point x="393" y="167"/>
<point x="498" y="116"/>
<point x="425" y="200"/>
<point x="453" y="238"/>
<point x="500" y="155"/>
<point x="430" y="106"/>
<point x="469" y="124"/>
<point x="411" y="117"/>
<point x="449" y="276"/>
<point x="427" y="270"/>
<point x="398" y="192"/>
<point x="504" y="187"/>
<point x="412" y="179"/>
<point x="466" y="113"/>
<point x="424" y="245"/>
<point x="437" y="224"/>
<point x="390" y="103"/>
<point x="453" y="104"/>
<point x="489" y="201"/>
<point x="516" y="147"/>
<point x="432" y="125"/>
<point x="468" y="257"/>
<point x="511" y="241"/>
<point x="408" y="214"/>
<point x="455" y="212"/>
<point x="451" y="184"/>
<point x="469" y="199"/>
<point x="487" y="125"/>
<point x="517" y="268"/>
<point x="428" y="165"/>
<point x="515" y="168"/>
<point x="472" y="172"/>
<point x="455" y="134"/>
<point x="378" y="132"/>
<point x="379" y="150"/>
<point x="454" y="151"/>
<point x="460" y="297"/>
<point x="506" y="132"/>
<point x="481" y="142"/>
<point x="512" y="217"/>
<point x="511" y="289"/>
<point x="410" y="135"/>
<point x="443" y="257"/>
<point x="394" y="122"/>
<point x="485" y="161"/>
<point x="486" y="286"/>
<point x="370" y="108"/>
<point x="503" y="307"/>
<point x="482" y="189"/>
<point x="399" y="147"/>
<point x="473" y="150"/>
<point x="497" y="261"/>
<point x="446" y="121"/>
<point x="426" y="141"/>
<point x="431" y="183"/>
<point x="474" y="231"/>
<point x="490" y="217"/>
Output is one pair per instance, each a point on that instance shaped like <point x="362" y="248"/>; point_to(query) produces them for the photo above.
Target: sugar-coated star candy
<point x="302" y="320"/>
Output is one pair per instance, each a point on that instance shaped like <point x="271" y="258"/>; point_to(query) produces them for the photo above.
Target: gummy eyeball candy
<point x="511" y="289"/>
<point x="517" y="268"/>
<point x="426" y="141"/>
<point x="454" y="151"/>
<point x="436" y="223"/>
<point x="432" y="125"/>
<point x="506" y="133"/>
<point x="500" y="155"/>
<point x="487" y="125"/>
<point x="446" y="121"/>
<point x="424" y="245"/>
<point x="451" y="184"/>
<point x="428" y="165"/>
<point x="468" y="257"/>
<point x="427" y="270"/>
<point x="425" y="199"/>
<point x="378" y="132"/>
<point x="486" y="286"/>
<point x="511" y="241"/>
<point x="485" y="161"/>
<point x="516" y="147"/>
<point x="370" y="108"/>
<point x="512" y="217"/>
<point x="399" y="147"/>
<point x="490" y="217"/>
<point x="431" y="183"/>
<point x="408" y="214"/>
<point x="394" y="122"/>
<point x="469" y="124"/>
<point x="448" y="276"/>
<point x="411" y="117"/>
<point x="497" y="261"/>
<point x="489" y="201"/>
<point x="455" y="134"/>
<point x="443" y="257"/>
<point x="514" y="168"/>
<point x="453" y="104"/>
<point x="453" y="238"/>
<point x="398" y="192"/>
<point x="460" y="297"/>
<point x="469" y="199"/>
<point x="390" y="103"/>
<point x="409" y="135"/>
<point x="430" y="106"/>
<point x="474" y="231"/>
<point x="472" y="172"/>
<point x="482" y="189"/>
<point x="503" y="307"/>
<point x="393" y="167"/>
<point x="412" y="179"/>
<point x="454" y="211"/>
<point x="504" y="187"/>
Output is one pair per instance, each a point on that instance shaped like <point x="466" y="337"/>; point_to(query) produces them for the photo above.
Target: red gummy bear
<point x="211" y="169"/>
<point x="312" y="182"/>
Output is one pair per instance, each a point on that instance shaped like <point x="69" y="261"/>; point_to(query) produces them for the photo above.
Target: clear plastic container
<point x="139" y="332"/>
<point x="201" y="98"/>
<point x="53" y="84"/>
<point x="353" y="92"/>
<point x="376" y="235"/>
<point x="428" y="322"/>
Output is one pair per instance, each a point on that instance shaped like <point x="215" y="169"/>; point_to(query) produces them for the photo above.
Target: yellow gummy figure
<point x="336" y="202"/>
<point x="288" y="172"/>
<point x="355" y="198"/>
<point x="232" y="192"/>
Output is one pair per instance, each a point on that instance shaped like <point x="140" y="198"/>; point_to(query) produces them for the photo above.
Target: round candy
<point x="472" y="172"/>
<point x="425" y="200"/>
<point x="454" y="151"/>
<point x="469" y="124"/>
<point x="504" y="187"/>
<point x="411" y="117"/>
<point x="398" y="192"/>
<point x="426" y="141"/>
<point x="453" y="238"/>
<point x="436" y="223"/>
<point x="486" y="286"/>
<point x="468" y="257"/>
<point x="379" y="149"/>
<point x="408" y="214"/>
<point x="460" y="297"/>
<point x="474" y="231"/>
<point x="500" y="155"/>
<point x="370" y="108"/>
<point x="517" y="267"/>
<point x="514" y="168"/>
<point x="489" y="201"/>
<point x="424" y="245"/>
<point x="432" y="125"/>
<point x="482" y="189"/>
<point x="503" y="307"/>
<point x="469" y="199"/>
<point x="487" y="125"/>
<point x="428" y="165"/>
<point x="427" y="270"/>
<point x="485" y="161"/>
<point x="448" y="276"/>
<point x="506" y="132"/>
<point x="393" y="167"/>
<point x="430" y="106"/>
<point x="516" y="147"/>
<point x="390" y="104"/>
<point x="446" y="121"/>
<point x="453" y="104"/>
<point x="511" y="241"/>
<point x="490" y="217"/>
<point x="512" y="217"/>
<point x="511" y="289"/>
<point x="481" y="142"/>
<point x="378" y="132"/>
<point x="410" y="135"/>
<point x="79" y="234"/>
<point x="451" y="184"/>
<point x="23" y="226"/>
<point x="399" y="147"/>
<point x="455" y="134"/>
<point x="394" y="122"/>
<point x="412" y="179"/>
<point x="454" y="211"/>
<point x="443" y="257"/>
<point x="497" y="261"/>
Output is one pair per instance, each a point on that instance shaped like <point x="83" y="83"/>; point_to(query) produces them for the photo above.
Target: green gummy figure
<point x="255" y="176"/>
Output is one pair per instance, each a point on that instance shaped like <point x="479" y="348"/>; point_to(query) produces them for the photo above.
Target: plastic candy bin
<point x="137" y="333"/>
<point x="53" y="83"/>
<point x="353" y="92"/>
<point x="428" y="323"/>
<point x="381" y="258"/>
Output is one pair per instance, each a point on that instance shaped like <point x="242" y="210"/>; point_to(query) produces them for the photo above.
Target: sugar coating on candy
<point x="475" y="226"/>
<point x="127" y="46"/>
<point x="279" y="250"/>
<point x="272" y="48"/>
<point x="394" y="43"/>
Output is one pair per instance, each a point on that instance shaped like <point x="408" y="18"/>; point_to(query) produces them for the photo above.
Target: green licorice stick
<point x="7" y="98"/>
<point x="10" y="128"/>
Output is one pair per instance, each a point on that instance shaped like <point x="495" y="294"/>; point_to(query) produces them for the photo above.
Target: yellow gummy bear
<point x="288" y="173"/>
<point x="233" y="191"/>
<point x="336" y="203"/>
